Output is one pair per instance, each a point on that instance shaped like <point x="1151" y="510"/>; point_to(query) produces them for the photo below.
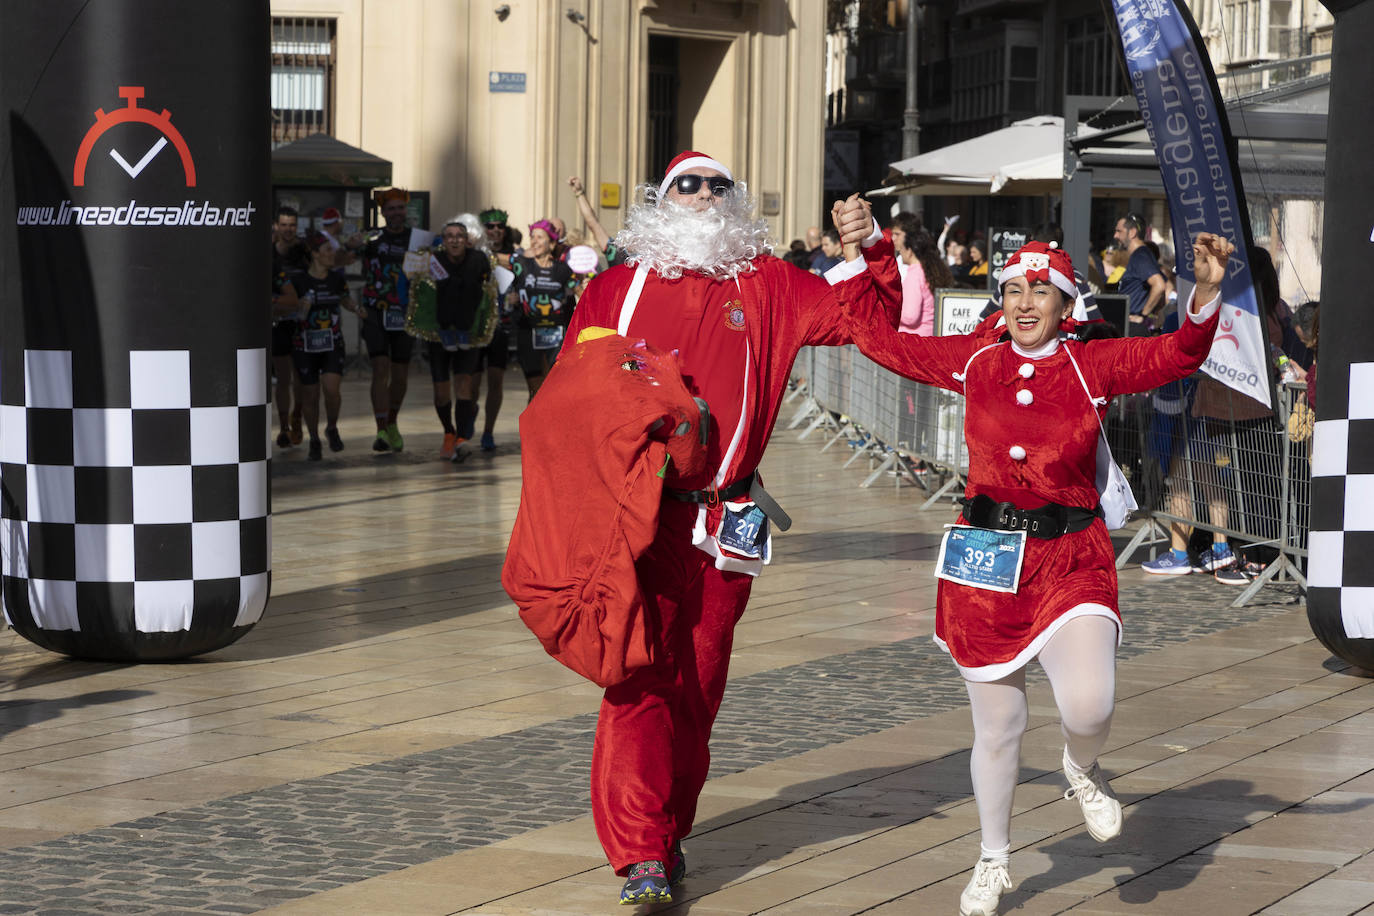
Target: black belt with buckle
<point x="729" y="491"/>
<point x="748" y="485"/>
<point x="1047" y="522"/>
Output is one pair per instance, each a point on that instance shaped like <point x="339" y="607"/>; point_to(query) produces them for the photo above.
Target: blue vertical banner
<point x="1177" y="94"/>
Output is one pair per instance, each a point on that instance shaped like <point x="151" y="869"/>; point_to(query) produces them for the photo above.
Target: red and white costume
<point x="1032" y="433"/>
<point x="737" y="340"/>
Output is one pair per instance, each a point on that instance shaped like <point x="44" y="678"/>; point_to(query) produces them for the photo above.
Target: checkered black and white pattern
<point x="148" y="518"/>
<point x="1340" y="565"/>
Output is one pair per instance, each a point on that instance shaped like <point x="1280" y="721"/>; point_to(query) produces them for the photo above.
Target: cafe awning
<point x="1282" y="134"/>
<point x="320" y="159"/>
<point x="1025" y="158"/>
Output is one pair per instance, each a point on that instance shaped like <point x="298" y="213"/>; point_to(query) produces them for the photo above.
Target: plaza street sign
<point x="505" y="82"/>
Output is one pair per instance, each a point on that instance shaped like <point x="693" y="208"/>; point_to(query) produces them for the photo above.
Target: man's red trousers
<point x="651" y="755"/>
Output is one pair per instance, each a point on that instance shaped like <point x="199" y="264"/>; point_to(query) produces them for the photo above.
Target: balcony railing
<point x="302" y="82"/>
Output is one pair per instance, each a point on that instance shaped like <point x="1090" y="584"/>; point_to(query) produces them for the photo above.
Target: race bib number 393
<point x="982" y="558"/>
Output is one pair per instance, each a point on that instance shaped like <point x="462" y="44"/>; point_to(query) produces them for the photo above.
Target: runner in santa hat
<point x="331" y="224"/>
<point x="1028" y="571"/>
<point x="699" y="279"/>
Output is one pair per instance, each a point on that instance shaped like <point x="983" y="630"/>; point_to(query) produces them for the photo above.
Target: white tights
<point x="1080" y="661"/>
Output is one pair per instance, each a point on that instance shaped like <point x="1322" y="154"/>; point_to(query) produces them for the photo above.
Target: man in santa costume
<point x="699" y="280"/>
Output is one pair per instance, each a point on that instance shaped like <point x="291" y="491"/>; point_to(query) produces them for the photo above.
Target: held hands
<point x="853" y="219"/>
<point x="1210" y="255"/>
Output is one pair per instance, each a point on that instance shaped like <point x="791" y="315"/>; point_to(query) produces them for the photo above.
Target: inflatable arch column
<point x="1340" y="565"/>
<point x="134" y="314"/>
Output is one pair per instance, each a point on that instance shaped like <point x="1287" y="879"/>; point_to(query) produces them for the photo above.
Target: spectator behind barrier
<point x="1228" y="434"/>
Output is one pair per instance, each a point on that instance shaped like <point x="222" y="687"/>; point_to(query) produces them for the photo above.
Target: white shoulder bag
<point x="1114" y="492"/>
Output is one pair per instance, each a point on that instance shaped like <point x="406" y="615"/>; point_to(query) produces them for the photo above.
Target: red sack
<point x="612" y="420"/>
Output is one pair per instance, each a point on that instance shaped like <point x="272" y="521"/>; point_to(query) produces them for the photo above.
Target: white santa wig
<point x="477" y="236"/>
<point x="720" y="242"/>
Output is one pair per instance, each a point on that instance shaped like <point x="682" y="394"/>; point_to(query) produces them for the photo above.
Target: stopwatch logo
<point x="163" y="122"/>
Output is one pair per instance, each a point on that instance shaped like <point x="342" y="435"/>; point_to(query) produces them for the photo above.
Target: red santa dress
<point x="1032" y="432"/>
<point x="737" y="341"/>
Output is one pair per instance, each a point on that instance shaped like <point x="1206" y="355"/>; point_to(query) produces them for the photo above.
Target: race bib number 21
<point x="744" y="530"/>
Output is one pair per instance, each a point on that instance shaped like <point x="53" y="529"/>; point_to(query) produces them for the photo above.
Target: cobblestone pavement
<point x="247" y="852"/>
<point x="242" y="852"/>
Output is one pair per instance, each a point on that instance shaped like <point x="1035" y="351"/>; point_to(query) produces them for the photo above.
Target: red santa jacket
<point x="611" y="423"/>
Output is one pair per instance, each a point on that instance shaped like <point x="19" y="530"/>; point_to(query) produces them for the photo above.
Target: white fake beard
<point x="720" y="242"/>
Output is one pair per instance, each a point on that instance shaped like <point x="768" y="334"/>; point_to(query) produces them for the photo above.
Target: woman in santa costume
<point x="1028" y="571"/>
<point x="699" y="281"/>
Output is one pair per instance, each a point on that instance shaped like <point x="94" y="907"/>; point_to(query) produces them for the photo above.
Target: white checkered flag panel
<point x="142" y="527"/>
<point x="1341" y="543"/>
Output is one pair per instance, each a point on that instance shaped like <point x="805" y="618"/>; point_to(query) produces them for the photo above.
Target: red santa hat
<point x="1040" y="262"/>
<point x="690" y="160"/>
<point x="330" y="216"/>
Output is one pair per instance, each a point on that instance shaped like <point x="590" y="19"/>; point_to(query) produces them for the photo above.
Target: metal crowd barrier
<point x="1228" y="471"/>
<point x="1232" y="472"/>
<point x="914" y="432"/>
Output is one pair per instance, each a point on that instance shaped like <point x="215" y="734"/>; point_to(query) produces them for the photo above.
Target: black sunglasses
<point x="690" y="184"/>
<point x="496" y="225"/>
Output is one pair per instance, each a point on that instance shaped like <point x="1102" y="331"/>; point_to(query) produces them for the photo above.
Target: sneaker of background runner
<point x="984" y="890"/>
<point x="1232" y="575"/>
<point x="335" y="442"/>
<point x="380" y="444"/>
<point x="446" y="449"/>
<point x="460" y="454"/>
<point x="647" y="883"/>
<point x="488" y="443"/>
<point x="283" y="438"/>
<point x="1101" y="810"/>
<point x="393" y="438"/>
<point x="296" y="435"/>
<point x="1218" y="556"/>
<point x="678" y="871"/>
<point x="1167" y="565"/>
<point x="316" y="450"/>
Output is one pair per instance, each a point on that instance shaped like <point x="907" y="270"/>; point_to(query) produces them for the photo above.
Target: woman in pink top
<point x="924" y="271"/>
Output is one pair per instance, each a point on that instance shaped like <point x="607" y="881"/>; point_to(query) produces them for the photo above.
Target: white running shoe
<point x="984" y="889"/>
<point x="1101" y="810"/>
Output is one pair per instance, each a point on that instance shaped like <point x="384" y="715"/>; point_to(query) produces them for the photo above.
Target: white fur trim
<point x="1040" y="352"/>
<point x="1204" y="313"/>
<point x="1002" y="669"/>
<point x="845" y="270"/>
<point x="695" y="162"/>
<point x="1064" y="284"/>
